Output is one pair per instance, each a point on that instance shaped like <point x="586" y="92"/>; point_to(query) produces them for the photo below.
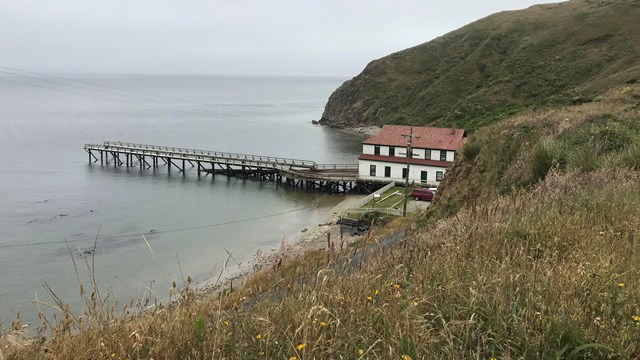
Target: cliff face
<point x="548" y="54"/>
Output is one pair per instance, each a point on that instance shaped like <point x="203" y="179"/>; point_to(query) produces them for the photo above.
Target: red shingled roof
<point x="403" y="160"/>
<point x="424" y="137"/>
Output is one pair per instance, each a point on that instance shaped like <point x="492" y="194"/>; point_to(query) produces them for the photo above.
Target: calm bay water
<point x="50" y="194"/>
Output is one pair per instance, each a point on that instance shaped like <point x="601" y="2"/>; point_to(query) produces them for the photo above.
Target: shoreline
<point x="368" y="130"/>
<point x="365" y="130"/>
<point x="312" y="237"/>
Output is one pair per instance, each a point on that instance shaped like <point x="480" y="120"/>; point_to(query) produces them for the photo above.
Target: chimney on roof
<point x="453" y="129"/>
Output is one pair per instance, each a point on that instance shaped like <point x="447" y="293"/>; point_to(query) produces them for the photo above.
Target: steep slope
<point x="517" y="153"/>
<point x="548" y="54"/>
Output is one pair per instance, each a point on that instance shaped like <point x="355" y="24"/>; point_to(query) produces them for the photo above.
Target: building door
<point x="387" y="171"/>
<point x="423" y="176"/>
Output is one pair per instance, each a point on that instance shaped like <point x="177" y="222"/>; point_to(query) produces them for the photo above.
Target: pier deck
<point x="297" y="173"/>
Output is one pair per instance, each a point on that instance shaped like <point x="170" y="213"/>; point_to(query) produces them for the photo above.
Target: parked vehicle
<point x="422" y="194"/>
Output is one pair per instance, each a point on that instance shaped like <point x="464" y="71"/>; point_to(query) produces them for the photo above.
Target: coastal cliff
<point x="554" y="54"/>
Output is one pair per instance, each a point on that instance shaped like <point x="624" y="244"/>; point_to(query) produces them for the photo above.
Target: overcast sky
<point x="239" y="37"/>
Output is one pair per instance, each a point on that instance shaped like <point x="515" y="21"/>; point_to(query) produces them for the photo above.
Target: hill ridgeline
<point x="554" y="54"/>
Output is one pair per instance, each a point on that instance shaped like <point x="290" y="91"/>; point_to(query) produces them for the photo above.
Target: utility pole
<point x="409" y="156"/>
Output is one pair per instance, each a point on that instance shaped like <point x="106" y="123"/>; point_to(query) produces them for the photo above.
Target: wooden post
<point x="101" y="158"/>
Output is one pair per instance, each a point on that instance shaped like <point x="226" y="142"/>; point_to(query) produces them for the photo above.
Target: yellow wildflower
<point x="226" y="323"/>
<point x="293" y="358"/>
<point x="323" y="324"/>
<point x="415" y="303"/>
<point x="601" y="233"/>
<point x="369" y="298"/>
<point x="258" y="337"/>
<point x="621" y="285"/>
<point x="636" y="318"/>
<point x="377" y="292"/>
<point x="360" y="352"/>
<point x="113" y="355"/>
<point x="301" y="346"/>
<point x="406" y="357"/>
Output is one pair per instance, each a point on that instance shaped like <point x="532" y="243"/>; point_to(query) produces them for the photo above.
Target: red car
<point x="422" y="194"/>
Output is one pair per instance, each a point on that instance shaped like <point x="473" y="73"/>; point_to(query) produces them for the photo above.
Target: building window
<point x="443" y="155"/>
<point x="404" y="173"/>
<point x="387" y="171"/>
<point x="439" y="175"/>
<point x="376" y="150"/>
<point x="427" y="154"/>
<point x="392" y="151"/>
<point x="372" y="170"/>
<point x="423" y="176"/>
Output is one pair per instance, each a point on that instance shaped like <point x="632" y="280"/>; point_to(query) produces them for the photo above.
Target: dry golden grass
<point x="547" y="273"/>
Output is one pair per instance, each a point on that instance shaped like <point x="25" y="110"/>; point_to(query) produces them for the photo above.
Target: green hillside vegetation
<point x="555" y="54"/>
<point x="532" y="251"/>
<point x="518" y="153"/>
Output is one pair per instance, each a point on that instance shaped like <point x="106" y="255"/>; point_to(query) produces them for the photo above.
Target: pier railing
<point x="157" y="149"/>
<point x="337" y="166"/>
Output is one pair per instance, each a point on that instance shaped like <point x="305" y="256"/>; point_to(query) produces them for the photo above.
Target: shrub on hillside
<point x="631" y="157"/>
<point x="613" y="137"/>
<point x="547" y="155"/>
<point x="471" y="150"/>
<point x="585" y="158"/>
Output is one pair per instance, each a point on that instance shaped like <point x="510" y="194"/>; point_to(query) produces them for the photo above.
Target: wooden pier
<point x="299" y="174"/>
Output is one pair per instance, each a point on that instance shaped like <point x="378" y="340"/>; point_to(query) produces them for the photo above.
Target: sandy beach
<point x="312" y="237"/>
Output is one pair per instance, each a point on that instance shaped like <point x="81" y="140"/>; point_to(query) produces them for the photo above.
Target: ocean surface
<point x="54" y="204"/>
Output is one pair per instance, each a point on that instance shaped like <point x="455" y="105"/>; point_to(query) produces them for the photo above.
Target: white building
<point x="434" y="149"/>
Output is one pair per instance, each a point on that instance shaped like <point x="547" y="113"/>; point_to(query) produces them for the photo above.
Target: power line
<point x="61" y="90"/>
<point x="146" y="101"/>
<point x="99" y="85"/>
<point x="153" y="102"/>
<point x="157" y="232"/>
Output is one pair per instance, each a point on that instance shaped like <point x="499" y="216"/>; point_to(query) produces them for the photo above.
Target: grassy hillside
<point x="510" y="156"/>
<point x="531" y="252"/>
<point x="558" y="54"/>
